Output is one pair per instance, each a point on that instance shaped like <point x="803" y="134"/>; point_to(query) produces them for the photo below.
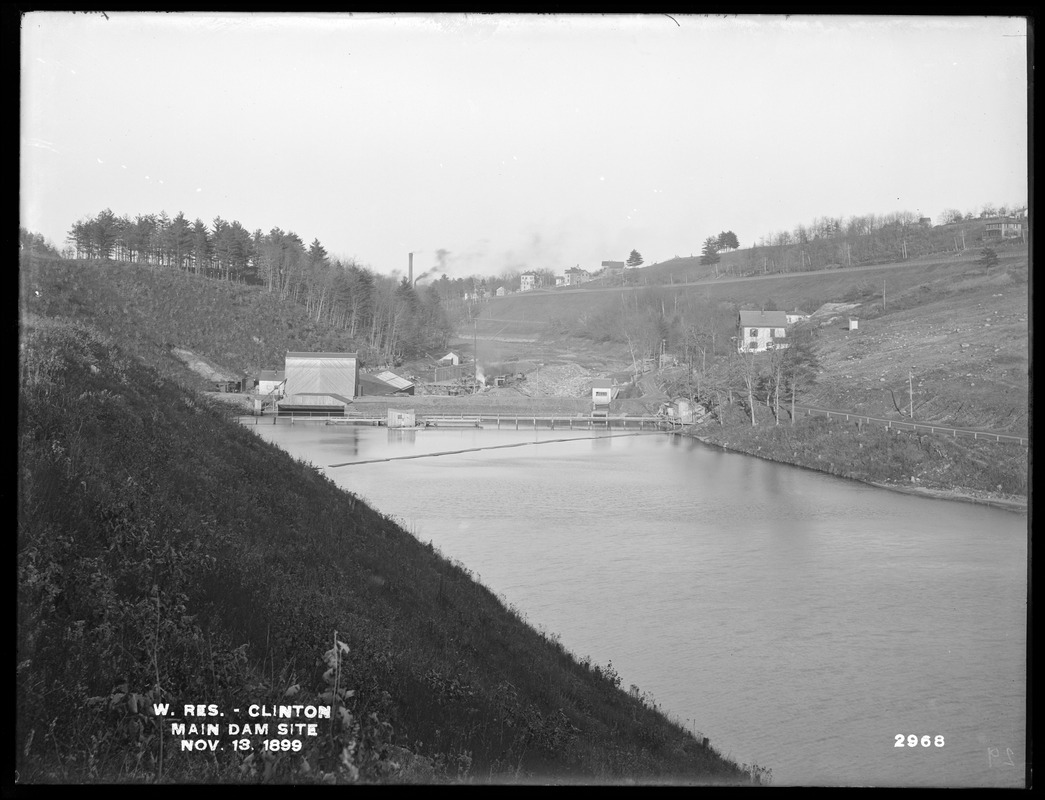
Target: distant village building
<point x="575" y="276"/>
<point x="1004" y="228"/>
<point x="501" y="291"/>
<point x="758" y="331"/>
<point x="528" y="281"/>
<point x="560" y="280"/>
<point x="613" y="268"/>
<point x="925" y="222"/>
<point x="450" y="359"/>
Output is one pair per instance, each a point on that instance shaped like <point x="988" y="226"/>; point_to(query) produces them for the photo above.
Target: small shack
<point x="601" y="392"/>
<point x="398" y="418"/>
<point x="854" y="324"/>
<point x="270" y="381"/>
<point x="451" y="359"/>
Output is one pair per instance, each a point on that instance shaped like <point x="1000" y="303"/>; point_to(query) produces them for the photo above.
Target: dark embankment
<point x="167" y="554"/>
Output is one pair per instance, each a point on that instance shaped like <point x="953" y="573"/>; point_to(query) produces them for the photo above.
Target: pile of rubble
<point x="559" y="380"/>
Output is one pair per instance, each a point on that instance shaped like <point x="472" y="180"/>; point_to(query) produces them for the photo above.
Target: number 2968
<point x="912" y="740"/>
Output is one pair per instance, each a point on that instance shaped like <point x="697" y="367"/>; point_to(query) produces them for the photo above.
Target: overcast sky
<point x="517" y="141"/>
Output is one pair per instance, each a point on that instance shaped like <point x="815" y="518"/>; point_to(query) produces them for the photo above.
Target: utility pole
<point x="883" y="295"/>
<point x="475" y="355"/>
<point x="910" y="392"/>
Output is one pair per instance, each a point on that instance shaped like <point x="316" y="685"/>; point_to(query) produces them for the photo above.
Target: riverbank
<point x="987" y="473"/>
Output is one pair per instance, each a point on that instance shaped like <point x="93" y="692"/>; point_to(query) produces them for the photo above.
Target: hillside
<point x="167" y="554"/>
<point x="961" y="329"/>
<point x="152" y="311"/>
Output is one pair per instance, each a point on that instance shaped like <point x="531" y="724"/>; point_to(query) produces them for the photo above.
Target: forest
<point x="390" y="319"/>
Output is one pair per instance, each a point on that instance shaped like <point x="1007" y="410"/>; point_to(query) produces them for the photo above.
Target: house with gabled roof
<point x="759" y="331"/>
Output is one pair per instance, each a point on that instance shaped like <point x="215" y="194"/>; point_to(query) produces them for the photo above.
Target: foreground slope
<point x="167" y="554"/>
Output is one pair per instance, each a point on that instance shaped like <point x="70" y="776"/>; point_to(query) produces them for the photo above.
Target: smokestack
<point x="411" y="275"/>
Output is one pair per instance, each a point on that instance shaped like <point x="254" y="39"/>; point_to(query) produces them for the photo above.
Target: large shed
<point x="322" y="373"/>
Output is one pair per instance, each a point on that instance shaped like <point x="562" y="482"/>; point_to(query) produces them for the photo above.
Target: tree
<point x="950" y="215"/>
<point x="709" y="253"/>
<point x="798" y="363"/>
<point x="104" y="231"/>
<point x="727" y="240"/>
<point x="634" y="260"/>
<point x="988" y="258"/>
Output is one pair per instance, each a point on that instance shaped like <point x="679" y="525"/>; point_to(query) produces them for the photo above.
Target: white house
<point x="759" y="331"/>
<point x="528" y="281"/>
<point x="451" y="359"/>
<point x="575" y="276"/>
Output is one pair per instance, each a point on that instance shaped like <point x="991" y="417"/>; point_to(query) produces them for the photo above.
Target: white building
<point x="759" y="331"/>
<point x="528" y="281"/>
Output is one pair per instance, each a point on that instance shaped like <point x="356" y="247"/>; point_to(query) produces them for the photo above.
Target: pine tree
<point x="709" y="254"/>
<point x="988" y="258"/>
<point x="635" y="259"/>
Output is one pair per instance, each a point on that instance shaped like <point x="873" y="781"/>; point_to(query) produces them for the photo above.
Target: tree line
<point x="390" y="319"/>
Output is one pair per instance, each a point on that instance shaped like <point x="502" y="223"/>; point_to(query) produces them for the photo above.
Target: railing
<point x="498" y="421"/>
<point x="861" y="419"/>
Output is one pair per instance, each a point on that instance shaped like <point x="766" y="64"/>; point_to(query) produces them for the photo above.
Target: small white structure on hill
<point x="602" y="391"/>
<point x="450" y="359"/>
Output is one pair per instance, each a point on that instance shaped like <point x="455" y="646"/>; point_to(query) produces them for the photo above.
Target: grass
<point x="167" y="554"/>
<point x="875" y="454"/>
<point x="151" y="310"/>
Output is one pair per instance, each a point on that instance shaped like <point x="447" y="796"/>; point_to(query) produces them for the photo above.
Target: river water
<point x="800" y="621"/>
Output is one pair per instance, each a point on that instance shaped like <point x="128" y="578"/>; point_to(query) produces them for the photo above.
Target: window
<point x="779" y="332"/>
<point x="753" y="332"/>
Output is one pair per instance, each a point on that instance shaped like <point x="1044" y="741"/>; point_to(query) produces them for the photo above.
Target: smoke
<point x="480" y="376"/>
<point x="426" y="274"/>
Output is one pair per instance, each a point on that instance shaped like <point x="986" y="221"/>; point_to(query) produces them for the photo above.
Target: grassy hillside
<point x="555" y="311"/>
<point x="151" y="310"/>
<point x="167" y="554"/>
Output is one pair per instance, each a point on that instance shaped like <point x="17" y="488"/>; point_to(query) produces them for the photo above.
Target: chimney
<point x="411" y="268"/>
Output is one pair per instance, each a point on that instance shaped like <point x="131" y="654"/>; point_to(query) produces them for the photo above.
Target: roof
<point x="320" y="355"/>
<point x="392" y="379"/>
<point x="763" y="319"/>
<point x="602" y="383"/>
<point x="272" y="375"/>
<point x="618" y="264"/>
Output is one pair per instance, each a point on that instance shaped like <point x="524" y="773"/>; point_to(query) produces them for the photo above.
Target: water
<point x="800" y="621"/>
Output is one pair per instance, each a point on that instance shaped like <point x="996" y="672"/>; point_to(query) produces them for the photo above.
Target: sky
<point x="490" y="143"/>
